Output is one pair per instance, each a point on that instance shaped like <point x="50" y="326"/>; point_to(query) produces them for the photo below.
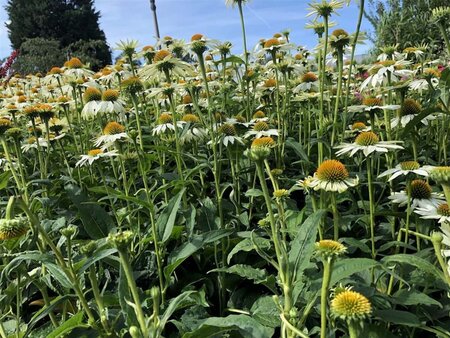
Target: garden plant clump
<point x="187" y="191"/>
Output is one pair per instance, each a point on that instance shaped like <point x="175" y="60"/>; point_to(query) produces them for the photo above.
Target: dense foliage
<point x="71" y="24"/>
<point x="405" y="23"/>
<point x="189" y="192"/>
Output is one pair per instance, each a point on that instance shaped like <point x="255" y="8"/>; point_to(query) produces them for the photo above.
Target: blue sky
<point x="132" y="19"/>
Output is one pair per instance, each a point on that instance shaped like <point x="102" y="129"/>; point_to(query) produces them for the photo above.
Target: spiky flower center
<point x="55" y="70"/>
<point x="271" y="43"/>
<point x="5" y="124"/>
<point x="133" y="84"/>
<point x="358" y="126"/>
<point x="387" y="63"/>
<point x="259" y="115"/>
<point x="113" y="128"/>
<point x="95" y="152"/>
<point x="420" y="189"/>
<point x="332" y="171"/>
<point x="92" y="94"/>
<point x="110" y="95"/>
<point x="187" y="99"/>
<point x="409" y="165"/>
<point x="372" y="101"/>
<point x="309" y="77"/>
<point x="263" y="142"/>
<point x="45" y="111"/>
<point x="196" y="37"/>
<point x="74" y="63"/>
<point x="190" y="118"/>
<point x="240" y="119"/>
<point x="350" y="305"/>
<point x="281" y="193"/>
<point x="228" y="129"/>
<point x="31" y="111"/>
<point x="165" y="118"/>
<point x="161" y="55"/>
<point x="367" y="138"/>
<point x="261" y="126"/>
<point x="410" y="107"/>
<point x="270" y="83"/>
<point x="329" y="247"/>
<point x="443" y="210"/>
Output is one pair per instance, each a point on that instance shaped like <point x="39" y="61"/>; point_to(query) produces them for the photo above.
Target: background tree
<point x="407" y="23"/>
<point x="72" y="23"/>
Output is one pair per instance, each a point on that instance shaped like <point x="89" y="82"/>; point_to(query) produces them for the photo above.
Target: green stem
<point x="371" y="205"/>
<point x="124" y="260"/>
<point x="327" y="265"/>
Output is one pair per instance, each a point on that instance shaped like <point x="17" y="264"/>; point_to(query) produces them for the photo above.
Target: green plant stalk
<point x="124" y="261"/>
<point x="353" y="331"/>
<point x="408" y="212"/>
<point x="282" y="258"/>
<point x="371" y="204"/>
<point x="335" y="216"/>
<point x="340" y="62"/>
<point x="437" y="246"/>
<point x="18" y="301"/>
<point x="445" y="36"/>
<point x="352" y="59"/>
<point x="244" y="36"/>
<point x="98" y="298"/>
<point x="13" y="170"/>
<point x="68" y="270"/>
<point x="138" y="121"/>
<point x="322" y="90"/>
<point x="327" y="269"/>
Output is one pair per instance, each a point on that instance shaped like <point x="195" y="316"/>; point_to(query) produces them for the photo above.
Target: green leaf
<point x="166" y="219"/>
<point x="413" y="297"/>
<point x="45" y="311"/>
<point x="247" y="327"/>
<point x="177" y="303"/>
<point x="302" y="247"/>
<point x="180" y="254"/>
<point x="245" y="271"/>
<point x="297" y="148"/>
<point x="398" y="317"/>
<point x="70" y="324"/>
<point x="4" y="178"/>
<point x="97" y="222"/>
<point x="248" y="245"/>
<point x="98" y="255"/>
<point x="344" y="268"/>
<point x="265" y="311"/>
<point x="416" y="261"/>
<point x="253" y="193"/>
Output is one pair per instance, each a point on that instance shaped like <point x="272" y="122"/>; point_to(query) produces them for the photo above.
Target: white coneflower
<point x="93" y="155"/>
<point x="380" y="71"/>
<point x="228" y="135"/>
<point x="164" y="62"/>
<point x="75" y="68"/>
<point x="112" y="132"/>
<point x="405" y="168"/>
<point x="440" y="212"/>
<point x="409" y="110"/>
<point x="164" y="124"/>
<point x="332" y="175"/>
<point x="422" y="196"/>
<point x="111" y="103"/>
<point x="261" y="129"/>
<point x="367" y="142"/>
<point x="372" y="103"/>
<point x="92" y="98"/>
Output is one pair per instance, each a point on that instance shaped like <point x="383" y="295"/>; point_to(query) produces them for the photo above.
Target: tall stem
<point x="327" y="265"/>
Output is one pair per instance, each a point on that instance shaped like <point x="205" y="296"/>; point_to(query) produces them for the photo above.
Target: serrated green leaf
<point x="97" y="222"/>
<point x="302" y="247"/>
<point x="344" y="268"/>
<point x="248" y="245"/>
<point x="265" y="311"/>
<point x="70" y="324"/>
<point x="166" y="219"/>
<point x="416" y="261"/>
<point x="413" y="297"/>
<point x="245" y="271"/>
<point x="245" y="325"/>
<point x="398" y="317"/>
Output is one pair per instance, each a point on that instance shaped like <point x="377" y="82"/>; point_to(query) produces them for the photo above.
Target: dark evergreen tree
<point x="73" y="23"/>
